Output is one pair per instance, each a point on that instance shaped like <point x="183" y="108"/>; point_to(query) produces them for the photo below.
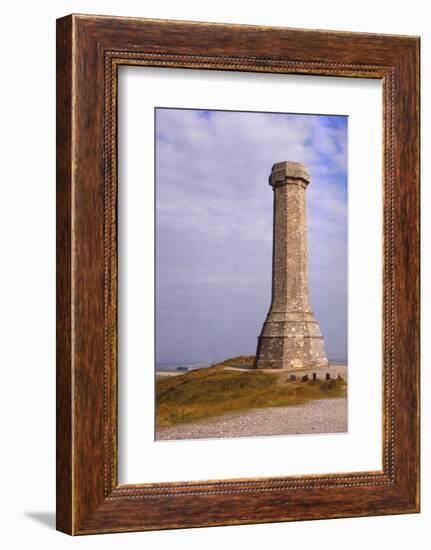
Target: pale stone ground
<point x="284" y="374"/>
<point x="319" y="416"/>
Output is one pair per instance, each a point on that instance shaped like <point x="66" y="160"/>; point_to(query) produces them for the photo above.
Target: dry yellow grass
<point x="214" y="391"/>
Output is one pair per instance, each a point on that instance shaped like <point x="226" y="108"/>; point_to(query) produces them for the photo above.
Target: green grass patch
<point x="213" y="391"/>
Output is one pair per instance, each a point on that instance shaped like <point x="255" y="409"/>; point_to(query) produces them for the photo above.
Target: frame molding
<point x="89" y="51"/>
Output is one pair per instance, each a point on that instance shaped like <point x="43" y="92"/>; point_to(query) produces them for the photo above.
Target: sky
<point x="214" y="228"/>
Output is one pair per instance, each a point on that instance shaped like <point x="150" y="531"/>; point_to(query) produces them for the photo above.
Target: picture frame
<point x="89" y="51"/>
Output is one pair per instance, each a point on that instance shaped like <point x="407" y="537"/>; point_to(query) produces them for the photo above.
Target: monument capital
<point x="286" y="172"/>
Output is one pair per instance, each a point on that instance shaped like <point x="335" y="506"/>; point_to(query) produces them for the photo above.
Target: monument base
<point x="291" y="344"/>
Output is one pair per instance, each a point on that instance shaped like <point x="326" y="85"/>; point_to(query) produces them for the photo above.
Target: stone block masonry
<point x="290" y="336"/>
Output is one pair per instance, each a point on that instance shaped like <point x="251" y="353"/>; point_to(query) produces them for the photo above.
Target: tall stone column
<point x="290" y="336"/>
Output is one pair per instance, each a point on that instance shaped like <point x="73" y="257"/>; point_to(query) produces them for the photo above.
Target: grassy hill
<point x="214" y="391"/>
<point x="237" y="361"/>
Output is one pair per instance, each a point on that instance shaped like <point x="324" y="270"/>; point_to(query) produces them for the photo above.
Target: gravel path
<point x="319" y="416"/>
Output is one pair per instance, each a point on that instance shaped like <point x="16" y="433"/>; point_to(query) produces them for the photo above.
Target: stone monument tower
<point x="290" y="336"/>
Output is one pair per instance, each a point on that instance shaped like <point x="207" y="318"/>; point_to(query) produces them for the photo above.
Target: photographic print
<point x="250" y="273"/>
